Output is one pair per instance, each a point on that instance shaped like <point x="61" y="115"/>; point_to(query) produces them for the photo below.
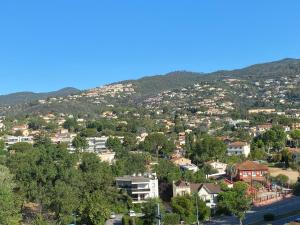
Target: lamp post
<point x="158" y="215"/>
<point x="197" y="210"/>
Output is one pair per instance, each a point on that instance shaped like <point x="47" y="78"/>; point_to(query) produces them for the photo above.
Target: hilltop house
<point x="238" y="148"/>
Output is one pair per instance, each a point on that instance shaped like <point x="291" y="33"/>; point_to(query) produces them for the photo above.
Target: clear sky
<point x="49" y="44"/>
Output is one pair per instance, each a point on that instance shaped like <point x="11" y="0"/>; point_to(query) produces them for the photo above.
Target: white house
<point x="219" y="167"/>
<point x="107" y="156"/>
<point x="208" y="192"/>
<point x="139" y="188"/>
<point x="10" y="140"/>
<point x="96" y="144"/>
<point x="190" y="167"/>
<point x="238" y="148"/>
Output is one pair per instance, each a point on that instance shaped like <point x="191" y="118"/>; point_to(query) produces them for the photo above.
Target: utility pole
<point x="158" y="215"/>
<point x="197" y="213"/>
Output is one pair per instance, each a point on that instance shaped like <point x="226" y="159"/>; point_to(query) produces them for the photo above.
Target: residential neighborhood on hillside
<point x="149" y="112"/>
<point x="176" y="148"/>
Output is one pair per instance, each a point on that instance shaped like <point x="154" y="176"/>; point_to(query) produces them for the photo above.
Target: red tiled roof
<point x="238" y="144"/>
<point x="249" y="165"/>
<point x="181" y="183"/>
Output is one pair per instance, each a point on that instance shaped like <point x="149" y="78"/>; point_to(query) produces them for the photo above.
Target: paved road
<point x="257" y="213"/>
<point x="285" y="220"/>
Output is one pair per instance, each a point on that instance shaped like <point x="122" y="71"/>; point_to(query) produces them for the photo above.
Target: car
<point x="131" y="213"/>
<point x="112" y="215"/>
<point x="297" y="220"/>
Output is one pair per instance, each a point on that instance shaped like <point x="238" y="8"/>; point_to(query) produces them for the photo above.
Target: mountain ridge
<point x="28" y="96"/>
<point x="150" y="85"/>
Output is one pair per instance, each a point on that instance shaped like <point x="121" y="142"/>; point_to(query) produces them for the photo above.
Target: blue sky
<point x="50" y="44"/>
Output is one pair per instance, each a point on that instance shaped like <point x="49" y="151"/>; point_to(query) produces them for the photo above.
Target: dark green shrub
<point x="171" y="219"/>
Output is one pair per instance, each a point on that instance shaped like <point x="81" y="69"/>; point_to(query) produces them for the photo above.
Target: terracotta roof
<point x="211" y="188"/>
<point x="238" y="144"/>
<point x="181" y="183"/>
<point x="195" y="187"/>
<point x="264" y="126"/>
<point x="249" y="165"/>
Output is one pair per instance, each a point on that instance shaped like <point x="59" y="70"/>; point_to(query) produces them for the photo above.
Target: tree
<point x="71" y="124"/>
<point x="207" y="148"/>
<point x="236" y="200"/>
<point x="129" y="141"/>
<point x="2" y="148"/>
<point x="282" y="179"/>
<point x="21" y="147"/>
<point x="149" y="210"/>
<point x="64" y="201"/>
<point x="275" y="138"/>
<point x="157" y="143"/>
<point x="167" y="171"/>
<point x="39" y="220"/>
<point x="295" y="135"/>
<point x="185" y="206"/>
<point x="9" y="208"/>
<point x="286" y="157"/>
<point x="114" y="144"/>
<point x="80" y="143"/>
<point x="131" y="163"/>
<point x="89" y="132"/>
<point x="36" y="123"/>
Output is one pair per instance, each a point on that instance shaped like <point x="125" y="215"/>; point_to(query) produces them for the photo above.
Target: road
<point x="257" y="213"/>
<point x="285" y="220"/>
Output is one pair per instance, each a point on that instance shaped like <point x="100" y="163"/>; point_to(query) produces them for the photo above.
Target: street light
<point x="197" y="213"/>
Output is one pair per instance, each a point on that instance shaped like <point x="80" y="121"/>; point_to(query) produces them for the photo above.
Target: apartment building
<point x="139" y="188"/>
<point x="10" y="140"/>
<point x="238" y="148"/>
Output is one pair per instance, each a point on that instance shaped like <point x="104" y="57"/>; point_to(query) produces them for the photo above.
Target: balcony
<point x="140" y="190"/>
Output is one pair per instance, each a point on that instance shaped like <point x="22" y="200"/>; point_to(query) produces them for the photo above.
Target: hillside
<point x="272" y="84"/>
<point x="154" y="84"/>
<point x="262" y="71"/>
<point x="26" y="97"/>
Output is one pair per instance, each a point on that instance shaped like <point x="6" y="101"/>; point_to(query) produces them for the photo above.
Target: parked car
<point x="297" y="220"/>
<point x="131" y="213"/>
<point x="112" y="215"/>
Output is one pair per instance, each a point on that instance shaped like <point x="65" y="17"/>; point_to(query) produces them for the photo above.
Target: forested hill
<point x="268" y="70"/>
<point x="154" y="84"/>
<point x="136" y="91"/>
<point x="179" y="79"/>
<point x="25" y="97"/>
